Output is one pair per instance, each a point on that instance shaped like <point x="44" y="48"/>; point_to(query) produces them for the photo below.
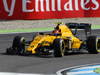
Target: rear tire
<point x="93" y="44"/>
<point x="19" y="44"/>
<point x="59" y="47"/>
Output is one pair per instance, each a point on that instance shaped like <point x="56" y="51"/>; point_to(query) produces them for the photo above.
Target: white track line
<point x="9" y="73"/>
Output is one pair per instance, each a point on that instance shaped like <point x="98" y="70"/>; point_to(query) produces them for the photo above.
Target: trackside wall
<point x="48" y="9"/>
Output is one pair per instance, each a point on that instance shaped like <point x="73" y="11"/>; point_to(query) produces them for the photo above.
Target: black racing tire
<point x="59" y="47"/>
<point x="93" y="44"/>
<point x="19" y="44"/>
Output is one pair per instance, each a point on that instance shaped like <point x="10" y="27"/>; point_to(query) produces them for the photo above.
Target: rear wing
<point x="85" y="26"/>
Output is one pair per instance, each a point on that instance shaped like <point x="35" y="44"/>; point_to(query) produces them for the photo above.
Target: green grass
<point x="95" y="26"/>
<point x="26" y="30"/>
<point x="38" y="29"/>
<point x="97" y="70"/>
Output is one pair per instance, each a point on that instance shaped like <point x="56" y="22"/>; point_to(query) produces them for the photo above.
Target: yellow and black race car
<point x="59" y="42"/>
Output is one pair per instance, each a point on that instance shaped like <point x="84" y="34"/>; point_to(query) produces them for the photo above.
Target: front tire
<point x="19" y="44"/>
<point x="59" y="47"/>
<point x="93" y="44"/>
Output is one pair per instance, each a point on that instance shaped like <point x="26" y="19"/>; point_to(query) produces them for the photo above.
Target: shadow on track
<point x="76" y="53"/>
<point x="29" y="55"/>
<point x="45" y="56"/>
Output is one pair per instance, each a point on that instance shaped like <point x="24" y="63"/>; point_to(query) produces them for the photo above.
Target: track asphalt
<point x="42" y="64"/>
<point x="38" y="29"/>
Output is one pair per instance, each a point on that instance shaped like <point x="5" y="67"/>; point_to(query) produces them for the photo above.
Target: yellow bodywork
<point x="40" y="40"/>
<point x="46" y="40"/>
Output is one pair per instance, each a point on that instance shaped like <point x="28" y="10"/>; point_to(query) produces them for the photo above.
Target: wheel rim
<point x="62" y="48"/>
<point x="23" y="45"/>
<point x="98" y="45"/>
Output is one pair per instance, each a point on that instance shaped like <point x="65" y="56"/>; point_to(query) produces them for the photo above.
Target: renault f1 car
<point x="61" y="42"/>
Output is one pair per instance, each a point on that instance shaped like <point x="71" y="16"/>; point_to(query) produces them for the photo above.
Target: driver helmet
<point x="55" y="32"/>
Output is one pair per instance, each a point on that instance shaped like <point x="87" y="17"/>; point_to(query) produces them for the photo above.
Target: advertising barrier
<point x="48" y="9"/>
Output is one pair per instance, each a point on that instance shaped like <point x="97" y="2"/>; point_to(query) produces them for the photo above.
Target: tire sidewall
<point x="59" y="47"/>
<point x="92" y="44"/>
<point x="18" y="44"/>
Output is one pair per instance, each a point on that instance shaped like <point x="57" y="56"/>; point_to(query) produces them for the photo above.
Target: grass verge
<point x="38" y="29"/>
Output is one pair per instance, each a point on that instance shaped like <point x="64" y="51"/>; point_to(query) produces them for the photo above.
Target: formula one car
<point x="59" y="42"/>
